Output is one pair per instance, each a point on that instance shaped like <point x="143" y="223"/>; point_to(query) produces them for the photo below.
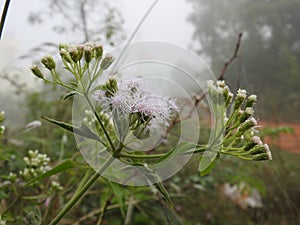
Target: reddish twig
<point x="233" y="57"/>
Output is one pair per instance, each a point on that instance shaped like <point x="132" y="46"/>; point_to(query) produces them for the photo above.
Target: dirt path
<point x="289" y="142"/>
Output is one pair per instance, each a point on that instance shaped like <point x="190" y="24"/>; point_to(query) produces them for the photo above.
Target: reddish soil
<point x="286" y="141"/>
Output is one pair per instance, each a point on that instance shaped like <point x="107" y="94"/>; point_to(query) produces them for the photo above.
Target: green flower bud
<point x="65" y="56"/>
<point x="63" y="46"/>
<point x="247" y="125"/>
<point x="80" y="52"/>
<point x="236" y="141"/>
<point x="253" y="142"/>
<point x="98" y="51"/>
<point x="36" y="71"/>
<point x="2" y="116"/>
<point x="257" y="150"/>
<point x="48" y="62"/>
<point x="251" y="100"/>
<point x="239" y="99"/>
<point x="106" y="62"/>
<point x="246" y="114"/>
<point x="73" y="54"/>
<point x="227" y="96"/>
<point x="261" y="157"/>
<point x="110" y="87"/>
<point x="2" y="129"/>
<point x="88" y="54"/>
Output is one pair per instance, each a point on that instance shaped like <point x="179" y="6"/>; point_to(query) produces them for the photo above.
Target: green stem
<point x="100" y="122"/>
<point x="154" y="156"/>
<point x="81" y="192"/>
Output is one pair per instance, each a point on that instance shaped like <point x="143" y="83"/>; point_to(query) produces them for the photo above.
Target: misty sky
<point x="167" y="22"/>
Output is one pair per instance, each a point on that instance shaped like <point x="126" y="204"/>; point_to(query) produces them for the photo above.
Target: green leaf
<point x="35" y="197"/>
<point x="120" y="196"/>
<point x="84" y="131"/>
<point x="68" y="164"/>
<point x="207" y="162"/>
<point x="160" y="187"/>
<point x="69" y="95"/>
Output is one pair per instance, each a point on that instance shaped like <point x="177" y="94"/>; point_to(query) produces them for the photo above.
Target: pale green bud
<point x="73" y="54"/>
<point x="106" y="62"/>
<point x="88" y="54"/>
<point x="2" y="116"/>
<point x="246" y="114"/>
<point x="257" y="150"/>
<point x="65" y="56"/>
<point x="248" y="124"/>
<point x="80" y="52"/>
<point x="48" y="62"/>
<point x="98" y="51"/>
<point x="63" y="46"/>
<point x="239" y="99"/>
<point x="251" y="100"/>
<point x="261" y="157"/>
<point x="36" y="71"/>
<point x="2" y="129"/>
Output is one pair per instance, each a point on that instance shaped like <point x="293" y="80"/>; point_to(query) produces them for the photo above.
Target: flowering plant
<point x="124" y="111"/>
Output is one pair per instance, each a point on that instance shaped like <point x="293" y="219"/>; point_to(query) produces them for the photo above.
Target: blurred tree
<point x="91" y="20"/>
<point x="270" y="47"/>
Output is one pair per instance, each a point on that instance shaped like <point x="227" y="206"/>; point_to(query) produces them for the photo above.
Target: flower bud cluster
<point x="82" y="61"/>
<point x="90" y="121"/>
<point x="12" y="177"/>
<point x="36" y="164"/>
<point x="55" y="187"/>
<point x="240" y="137"/>
<point x="2" y="221"/>
<point x="82" y="52"/>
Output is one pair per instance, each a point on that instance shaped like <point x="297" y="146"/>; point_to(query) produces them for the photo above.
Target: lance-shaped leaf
<point x="69" y="95"/>
<point x="120" y="195"/>
<point x="83" y="131"/>
<point x="207" y="162"/>
<point x="68" y="164"/>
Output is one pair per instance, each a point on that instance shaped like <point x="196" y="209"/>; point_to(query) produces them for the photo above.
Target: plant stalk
<point x="82" y="191"/>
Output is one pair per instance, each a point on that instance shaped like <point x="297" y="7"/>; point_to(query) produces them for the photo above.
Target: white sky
<point x="167" y="22"/>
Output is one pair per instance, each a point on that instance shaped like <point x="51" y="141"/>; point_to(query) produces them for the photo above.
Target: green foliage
<point x="274" y="132"/>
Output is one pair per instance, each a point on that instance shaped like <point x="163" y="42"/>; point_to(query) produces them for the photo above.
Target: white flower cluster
<point x="36" y="164"/>
<point x="243" y="195"/>
<point x="131" y="97"/>
<point x="55" y="186"/>
<point x="240" y="125"/>
<point x="2" y="221"/>
<point x="89" y="118"/>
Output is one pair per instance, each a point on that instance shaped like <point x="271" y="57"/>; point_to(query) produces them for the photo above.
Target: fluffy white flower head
<point x="132" y="96"/>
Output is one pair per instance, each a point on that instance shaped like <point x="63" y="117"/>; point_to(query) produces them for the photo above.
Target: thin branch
<point x="138" y="27"/>
<point x="3" y="17"/>
<point x="19" y="87"/>
<point x="84" y="21"/>
<point x="233" y="57"/>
